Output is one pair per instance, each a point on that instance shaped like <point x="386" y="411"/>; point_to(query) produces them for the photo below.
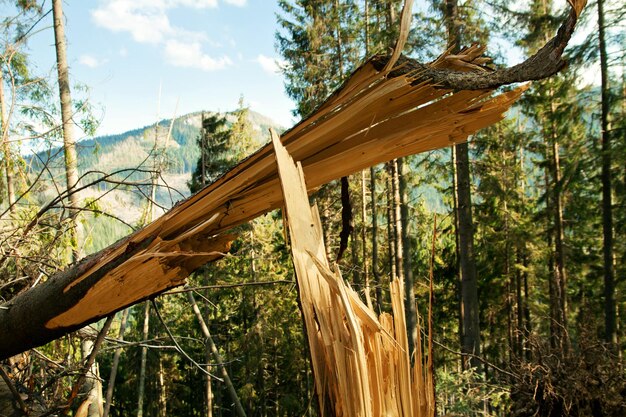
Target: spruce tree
<point x="215" y="157"/>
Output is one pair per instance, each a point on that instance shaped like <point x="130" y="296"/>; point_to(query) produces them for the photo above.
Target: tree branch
<point x="545" y="63"/>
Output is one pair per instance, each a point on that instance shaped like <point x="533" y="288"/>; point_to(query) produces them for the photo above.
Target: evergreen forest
<point x="512" y="246"/>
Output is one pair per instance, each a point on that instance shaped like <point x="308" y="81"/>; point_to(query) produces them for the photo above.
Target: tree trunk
<point x="115" y="364"/>
<point x="6" y="148"/>
<point x="366" y="272"/>
<point x="610" y="322"/>
<point x="92" y="386"/>
<point x="469" y="282"/>
<point x="409" y="289"/>
<point x="375" y="271"/>
<point x="559" y="274"/>
<point x="397" y="220"/>
<point x="218" y="357"/>
<point x="141" y="391"/>
<point x="69" y="144"/>
<point x="208" y="393"/>
<point x="470" y="337"/>
<point x="391" y="239"/>
<point x="455" y="205"/>
<point x="162" y="390"/>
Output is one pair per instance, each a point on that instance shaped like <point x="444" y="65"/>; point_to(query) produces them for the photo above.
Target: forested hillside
<point x="512" y="245"/>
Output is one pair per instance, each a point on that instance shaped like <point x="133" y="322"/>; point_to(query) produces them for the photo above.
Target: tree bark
<point x="610" y="322"/>
<point x="409" y="287"/>
<point x="162" y="390"/>
<point x="366" y="271"/>
<point x="141" y="391"/>
<point x="546" y="62"/>
<point x="559" y="277"/>
<point x="397" y="220"/>
<point x="391" y="237"/>
<point x="467" y="263"/>
<point x="6" y="148"/>
<point x="470" y="335"/>
<point x="92" y="386"/>
<point x="69" y="143"/>
<point x="115" y="365"/>
<point x="375" y="270"/>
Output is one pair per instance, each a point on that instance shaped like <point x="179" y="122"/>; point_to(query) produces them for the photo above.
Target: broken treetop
<point x="377" y="115"/>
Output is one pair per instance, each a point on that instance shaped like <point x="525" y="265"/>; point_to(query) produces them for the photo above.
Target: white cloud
<point x="238" y="3"/>
<point x="147" y="21"/>
<point x="190" y="55"/>
<point x="196" y="4"/>
<point x="90" y="61"/>
<point x="270" y="65"/>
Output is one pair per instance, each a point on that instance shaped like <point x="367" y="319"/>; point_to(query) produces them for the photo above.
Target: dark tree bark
<point x="470" y="336"/>
<point x="409" y="289"/>
<point x="610" y="322"/>
<point x="467" y="262"/>
<point x="545" y="63"/>
<point x="375" y="270"/>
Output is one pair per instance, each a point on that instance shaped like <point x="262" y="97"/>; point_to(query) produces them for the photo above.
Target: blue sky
<point x="202" y="54"/>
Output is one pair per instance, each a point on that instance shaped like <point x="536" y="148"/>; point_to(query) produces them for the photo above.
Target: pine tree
<point x="215" y="156"/>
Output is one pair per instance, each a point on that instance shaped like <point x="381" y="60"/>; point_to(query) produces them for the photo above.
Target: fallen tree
<point x="385" y="110"/>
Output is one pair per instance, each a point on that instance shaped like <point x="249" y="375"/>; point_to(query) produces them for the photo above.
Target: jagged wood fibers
<point x="376" y="116"/>
<point x="361" y="362"/>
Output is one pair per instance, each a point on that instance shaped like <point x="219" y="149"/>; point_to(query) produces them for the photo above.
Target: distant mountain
<point x="128" y="151"/>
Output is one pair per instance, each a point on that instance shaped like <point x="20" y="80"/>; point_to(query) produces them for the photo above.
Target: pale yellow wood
<point x="361" y="363"/>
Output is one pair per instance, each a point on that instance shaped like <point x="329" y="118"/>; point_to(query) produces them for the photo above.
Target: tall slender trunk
<point x="559" y="250"/>
<point x="114" y="365"/>
<point x="470" y="337"/>
<point x="409" y="288"/>
<point x="92" y="385"/>
<point x="208" y="393"/>
<point x="162" y="390"/>
<point x="69" y="143"/>
<point x="455" y="204"/>
<point x="469" y="282"/>
<point x="397" y="220"/>
<point x="610" y="322"/>
<point x="6" y="148"/>
<point x="218" y="357"/>
<point x="559" y="274"/>
<point x="391" y="238"/>
<point x="366" y="272"/>
<point x="453" y="25"/>
<point x="144" y="359"/>
<point x="375" y="271"/>
<point x="552" y="293"/>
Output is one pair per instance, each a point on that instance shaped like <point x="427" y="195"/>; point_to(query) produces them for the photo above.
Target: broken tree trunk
<point x="374" y="117"/>
<point x="361" y="361"/>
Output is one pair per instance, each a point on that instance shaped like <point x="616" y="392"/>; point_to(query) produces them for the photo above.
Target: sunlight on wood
<point x="361" y="362"/>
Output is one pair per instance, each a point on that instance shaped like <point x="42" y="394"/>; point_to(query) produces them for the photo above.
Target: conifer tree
<point x="214" y="152"/>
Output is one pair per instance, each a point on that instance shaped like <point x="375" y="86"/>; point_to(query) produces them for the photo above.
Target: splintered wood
<point x="361" y="362"/>
<point x="376" y="116"/>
